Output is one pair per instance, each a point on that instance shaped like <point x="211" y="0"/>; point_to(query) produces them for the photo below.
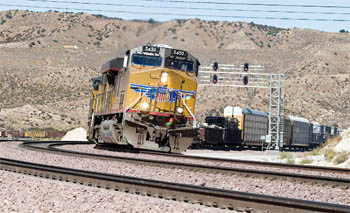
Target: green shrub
<point x="31" y="44"/>
<point x="151" y="21"/>
<point x="316" y="151"/>
<point x="285" y="155"/>
<point x="305" y="161"/>
<point x="9" y="16"/>
<point x="290" y="161"/>
<point x="342" y="157"/>
<point x="329" y="154"/>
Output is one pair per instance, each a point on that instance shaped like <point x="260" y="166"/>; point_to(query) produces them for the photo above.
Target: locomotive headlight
<point x="164" y="77"/>
<point x="180" y="110"/>
<point x="145" y="106"/>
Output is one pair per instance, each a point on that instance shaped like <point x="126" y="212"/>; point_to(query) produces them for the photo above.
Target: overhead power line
<point x="176" y="14"/>
<point x="250" y="4"/>
<point x="190" y="8"/>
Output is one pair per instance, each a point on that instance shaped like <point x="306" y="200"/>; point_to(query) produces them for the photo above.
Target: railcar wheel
<point x="166" y="149"/>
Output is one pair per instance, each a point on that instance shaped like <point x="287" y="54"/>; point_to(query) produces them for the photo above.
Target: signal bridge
<point x="250" y="76"/>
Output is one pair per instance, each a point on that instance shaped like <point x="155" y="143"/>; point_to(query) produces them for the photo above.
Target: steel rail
<point x="180" y="192"/>
<point x="250" y="162"/>
<point x="302" y="178"/>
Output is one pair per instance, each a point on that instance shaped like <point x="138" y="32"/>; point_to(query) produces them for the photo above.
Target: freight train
<point x="31" y="134"/>
<point x="241" y="127"/>
<point x="145" y="100"/>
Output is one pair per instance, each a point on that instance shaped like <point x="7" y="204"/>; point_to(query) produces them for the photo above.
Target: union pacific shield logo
<point x="162" y="94"/>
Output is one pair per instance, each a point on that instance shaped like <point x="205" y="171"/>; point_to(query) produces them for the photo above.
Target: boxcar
<point x="34" y="134"/>
<point x="315" y="134"/>
<point x="287" y="132"/>
<point x="300" y="132"/>
<point x="14" y="134"/>
<point x="252" y="123"/>
<point x="55" y="134"/>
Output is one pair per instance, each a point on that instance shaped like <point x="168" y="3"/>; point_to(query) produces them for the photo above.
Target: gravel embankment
<point x="90" y="149"/>
<point x="231" y="182"/>
<point x="22" y="193"/>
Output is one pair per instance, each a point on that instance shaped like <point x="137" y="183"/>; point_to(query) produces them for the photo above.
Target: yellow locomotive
<point x="145" y="100"/>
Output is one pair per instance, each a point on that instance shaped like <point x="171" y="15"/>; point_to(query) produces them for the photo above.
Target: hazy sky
<point x="182" y="9"/>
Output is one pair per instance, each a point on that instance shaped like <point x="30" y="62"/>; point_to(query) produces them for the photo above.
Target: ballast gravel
<point x="90" y="149"/>
<point x="230" y="182"/>
<point x="23" y="193"/>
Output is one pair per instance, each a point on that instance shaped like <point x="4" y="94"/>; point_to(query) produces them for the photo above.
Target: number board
<point x="150" y="49"/>
<point x="180" y="53"/>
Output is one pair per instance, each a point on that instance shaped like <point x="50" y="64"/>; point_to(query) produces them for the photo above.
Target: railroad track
<point x="213" y="197"/>
<point x="299" y="178"/>
<point x="250" y="162"/>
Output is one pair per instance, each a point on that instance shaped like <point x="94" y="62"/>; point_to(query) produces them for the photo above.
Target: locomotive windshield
<point x="147" y="60"/>
<point x="179" y="64"/>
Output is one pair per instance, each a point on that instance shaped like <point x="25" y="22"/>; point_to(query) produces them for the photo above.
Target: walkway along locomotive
<point x="145" y="100"/>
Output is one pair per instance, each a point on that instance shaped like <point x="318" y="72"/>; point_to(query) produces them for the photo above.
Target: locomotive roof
<point x="163" y="49"/>
<point x="114" y="65"/>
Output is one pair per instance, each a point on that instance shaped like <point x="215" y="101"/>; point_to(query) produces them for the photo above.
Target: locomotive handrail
<point x="189" y="111"/>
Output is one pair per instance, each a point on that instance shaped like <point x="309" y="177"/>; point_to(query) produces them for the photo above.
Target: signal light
<point x="245" y="80"/>
<point x="215" y="66"/>
<point x="215" y="79"/>
<point x="246" y="67"/>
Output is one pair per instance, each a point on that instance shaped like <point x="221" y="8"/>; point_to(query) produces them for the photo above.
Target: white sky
<point x="138" y="8"/>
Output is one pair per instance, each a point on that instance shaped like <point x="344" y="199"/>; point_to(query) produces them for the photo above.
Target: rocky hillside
<point x="48" y="58"/>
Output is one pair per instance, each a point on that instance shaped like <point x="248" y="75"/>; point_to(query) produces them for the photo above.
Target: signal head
<point x="215" y="79"/>
<point x="245" y="80"/>
<point x="215" y="66"/>
<point x="246" y="67"/>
